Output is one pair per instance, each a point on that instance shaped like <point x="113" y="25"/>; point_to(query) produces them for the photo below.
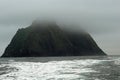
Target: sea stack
<point x="45" y="39"/>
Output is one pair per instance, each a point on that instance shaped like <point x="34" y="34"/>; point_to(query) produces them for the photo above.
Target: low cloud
<point x="99" y="17"/>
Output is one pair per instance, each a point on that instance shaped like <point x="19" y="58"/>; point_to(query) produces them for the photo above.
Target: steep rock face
<point x="47" y="39"/>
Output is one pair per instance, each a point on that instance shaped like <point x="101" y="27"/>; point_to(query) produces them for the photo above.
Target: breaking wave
<point x="85" y="69"/>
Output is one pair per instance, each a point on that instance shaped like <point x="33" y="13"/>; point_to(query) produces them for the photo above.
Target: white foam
<point x="117" y="61"/>
<point x="49" y="70"/>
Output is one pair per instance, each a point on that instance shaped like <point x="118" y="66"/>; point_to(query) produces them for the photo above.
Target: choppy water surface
<point x="62" y="68"/>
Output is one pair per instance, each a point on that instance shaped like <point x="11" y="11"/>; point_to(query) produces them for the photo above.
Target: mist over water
<point x="60" y="68"/>
<point x="100" y="18"/>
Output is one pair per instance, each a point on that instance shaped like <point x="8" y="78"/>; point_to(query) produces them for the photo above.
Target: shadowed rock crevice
<point x="47" y="39"/>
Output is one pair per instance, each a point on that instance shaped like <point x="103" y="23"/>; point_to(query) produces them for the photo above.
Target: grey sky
<point x="101" y="18"/>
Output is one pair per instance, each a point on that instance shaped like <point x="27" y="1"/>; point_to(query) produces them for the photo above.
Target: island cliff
<point x="47" y="39"/>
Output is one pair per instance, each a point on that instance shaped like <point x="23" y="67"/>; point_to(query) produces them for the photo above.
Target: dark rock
<point x="47" y="39"/>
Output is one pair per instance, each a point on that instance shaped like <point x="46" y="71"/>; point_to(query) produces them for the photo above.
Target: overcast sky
<point x="101" y="18"/>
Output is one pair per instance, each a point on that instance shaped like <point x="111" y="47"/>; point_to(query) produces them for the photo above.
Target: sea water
<point x="60" y="68"/>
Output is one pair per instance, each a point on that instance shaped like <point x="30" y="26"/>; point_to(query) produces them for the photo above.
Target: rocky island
<point x="44" y="39"/>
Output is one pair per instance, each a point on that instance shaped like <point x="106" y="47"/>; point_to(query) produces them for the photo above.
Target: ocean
<point x="60" y="68"/>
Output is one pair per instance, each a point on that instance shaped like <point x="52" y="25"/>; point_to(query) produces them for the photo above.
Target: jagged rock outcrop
<point x="47" y="39"/>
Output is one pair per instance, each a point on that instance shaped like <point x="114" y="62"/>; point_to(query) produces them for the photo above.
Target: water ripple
<point x="85" y="69"/>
